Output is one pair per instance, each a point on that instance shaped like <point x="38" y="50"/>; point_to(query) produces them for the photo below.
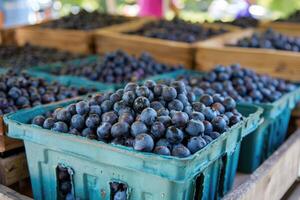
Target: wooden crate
<point x="7" y="143"/>
<point x="165" y="51"/>
<point x="9" y="194"/>
<point x="7" y="36"/>
<point x="76" y="41"/>
<point x="281" y="25"/>
<point x="283" y="64"/>
<point x="13" y="169"/>
<point x="274" y="177"/>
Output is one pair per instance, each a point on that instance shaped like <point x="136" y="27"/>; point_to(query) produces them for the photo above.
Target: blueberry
<point x="217" y="98"/>
<point x="195" y="144"/>
<point x="92" y="121"/>
<point x="106" y="105"/>
<point x="208" y="127"/>
<point x="38" y="120"/>
<point x="175" y="105"/>
<point x="214" y="135"/>
<point x="158" y="90"/>
<point x="103" y="131"/>
<point x="191" y="96"/>
<point x="180" y="119"/>
<point x="166" y="120"/>
<point x="163" y="112"/>
<point x="209" y="114"/>
<point x="48" y="123"/>
<point x="115" y="97"/>
<point x="77" y="121"/>
<point x="140" y="104"/>
<point x="156" y="105"/>
<point x="120" y="129"/>
<point x="72" y="108"/>
<point x="183" y="98"/>
<point x="60" y="127"/>
<point x="109" y="117"/>
<point x="150" y="84"/>
<point x="143" y="142"/>
<point x="130" y="87"/>
<point x="169" y="93"/>
<point x="14" y="92"/>
<point x="157" y="130"/>
<point x="198" y="106"/>
<point x="197" y="116"/>
<point x="95" y="109"/>
<point x="82" y="108"/>
<point x="129" y="97"/>
<point x="138" y="128"/>
<point x="179" y="86"/>
<point x="207" y="139"/>
<point x="229" y="103"/>
<point x="195" y="127"/>
<point x="119" y="105"/>
<point x="234" y="119"/>
<point x="218" y="107"/>
<point x="74" y="131"/>
<point x="148" y="116"/>
<point x="219" y="124"/>
<point x="126" y="117"/>
<point x="87" y="132"/>
<point x="162" y="150"/>
<point x="164" y="142"/>
<point x="206" y="99"/>
<point x="174" y="135"/>
<point x="180" y="151"/>
<point x="63" y="115"/>
<point x="142" y="91"/>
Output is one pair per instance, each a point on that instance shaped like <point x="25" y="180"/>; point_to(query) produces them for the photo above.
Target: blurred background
<point x="18" y="12"/>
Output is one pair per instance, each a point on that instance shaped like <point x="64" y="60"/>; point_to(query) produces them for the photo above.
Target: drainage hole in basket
<point x="64" y="183"/>
<point x="118" y="191"/>
<point x="199" y="187"/>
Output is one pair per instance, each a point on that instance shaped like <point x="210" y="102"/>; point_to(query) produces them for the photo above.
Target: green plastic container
<point x="204" y="175"/>
<point x="260" y="144"/>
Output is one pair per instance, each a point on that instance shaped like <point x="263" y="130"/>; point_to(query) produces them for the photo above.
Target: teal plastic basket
<point x="260" y="144"/>
<point x="204" y="175"/>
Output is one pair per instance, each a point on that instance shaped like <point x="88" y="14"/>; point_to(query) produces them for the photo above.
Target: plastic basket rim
<point x="128" y="150"/>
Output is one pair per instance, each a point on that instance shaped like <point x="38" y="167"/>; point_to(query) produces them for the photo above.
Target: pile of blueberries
<point x="116" y="67"/>
<point x="294" y="17"/>
<point x="19" y="90"/>
<point x="29" y="55"/>
<point x="64" y="183"/>
<point x="271" y="39"/>
<point x="242" y="84"/>
<point x="86" y="21"/>
<point x="243" y="22"/>
<point x="158" y="118"/>
<point x="177" y="30"/>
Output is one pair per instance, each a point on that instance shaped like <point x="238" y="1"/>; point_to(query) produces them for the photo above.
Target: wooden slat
<point x="274" y="177"/>
<point x="169" y="52"/>
<point x="9" y="194"/>
<point x="282" y="64"/>
<point x="13" y="169"/>
<point x="7" y="143"/>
